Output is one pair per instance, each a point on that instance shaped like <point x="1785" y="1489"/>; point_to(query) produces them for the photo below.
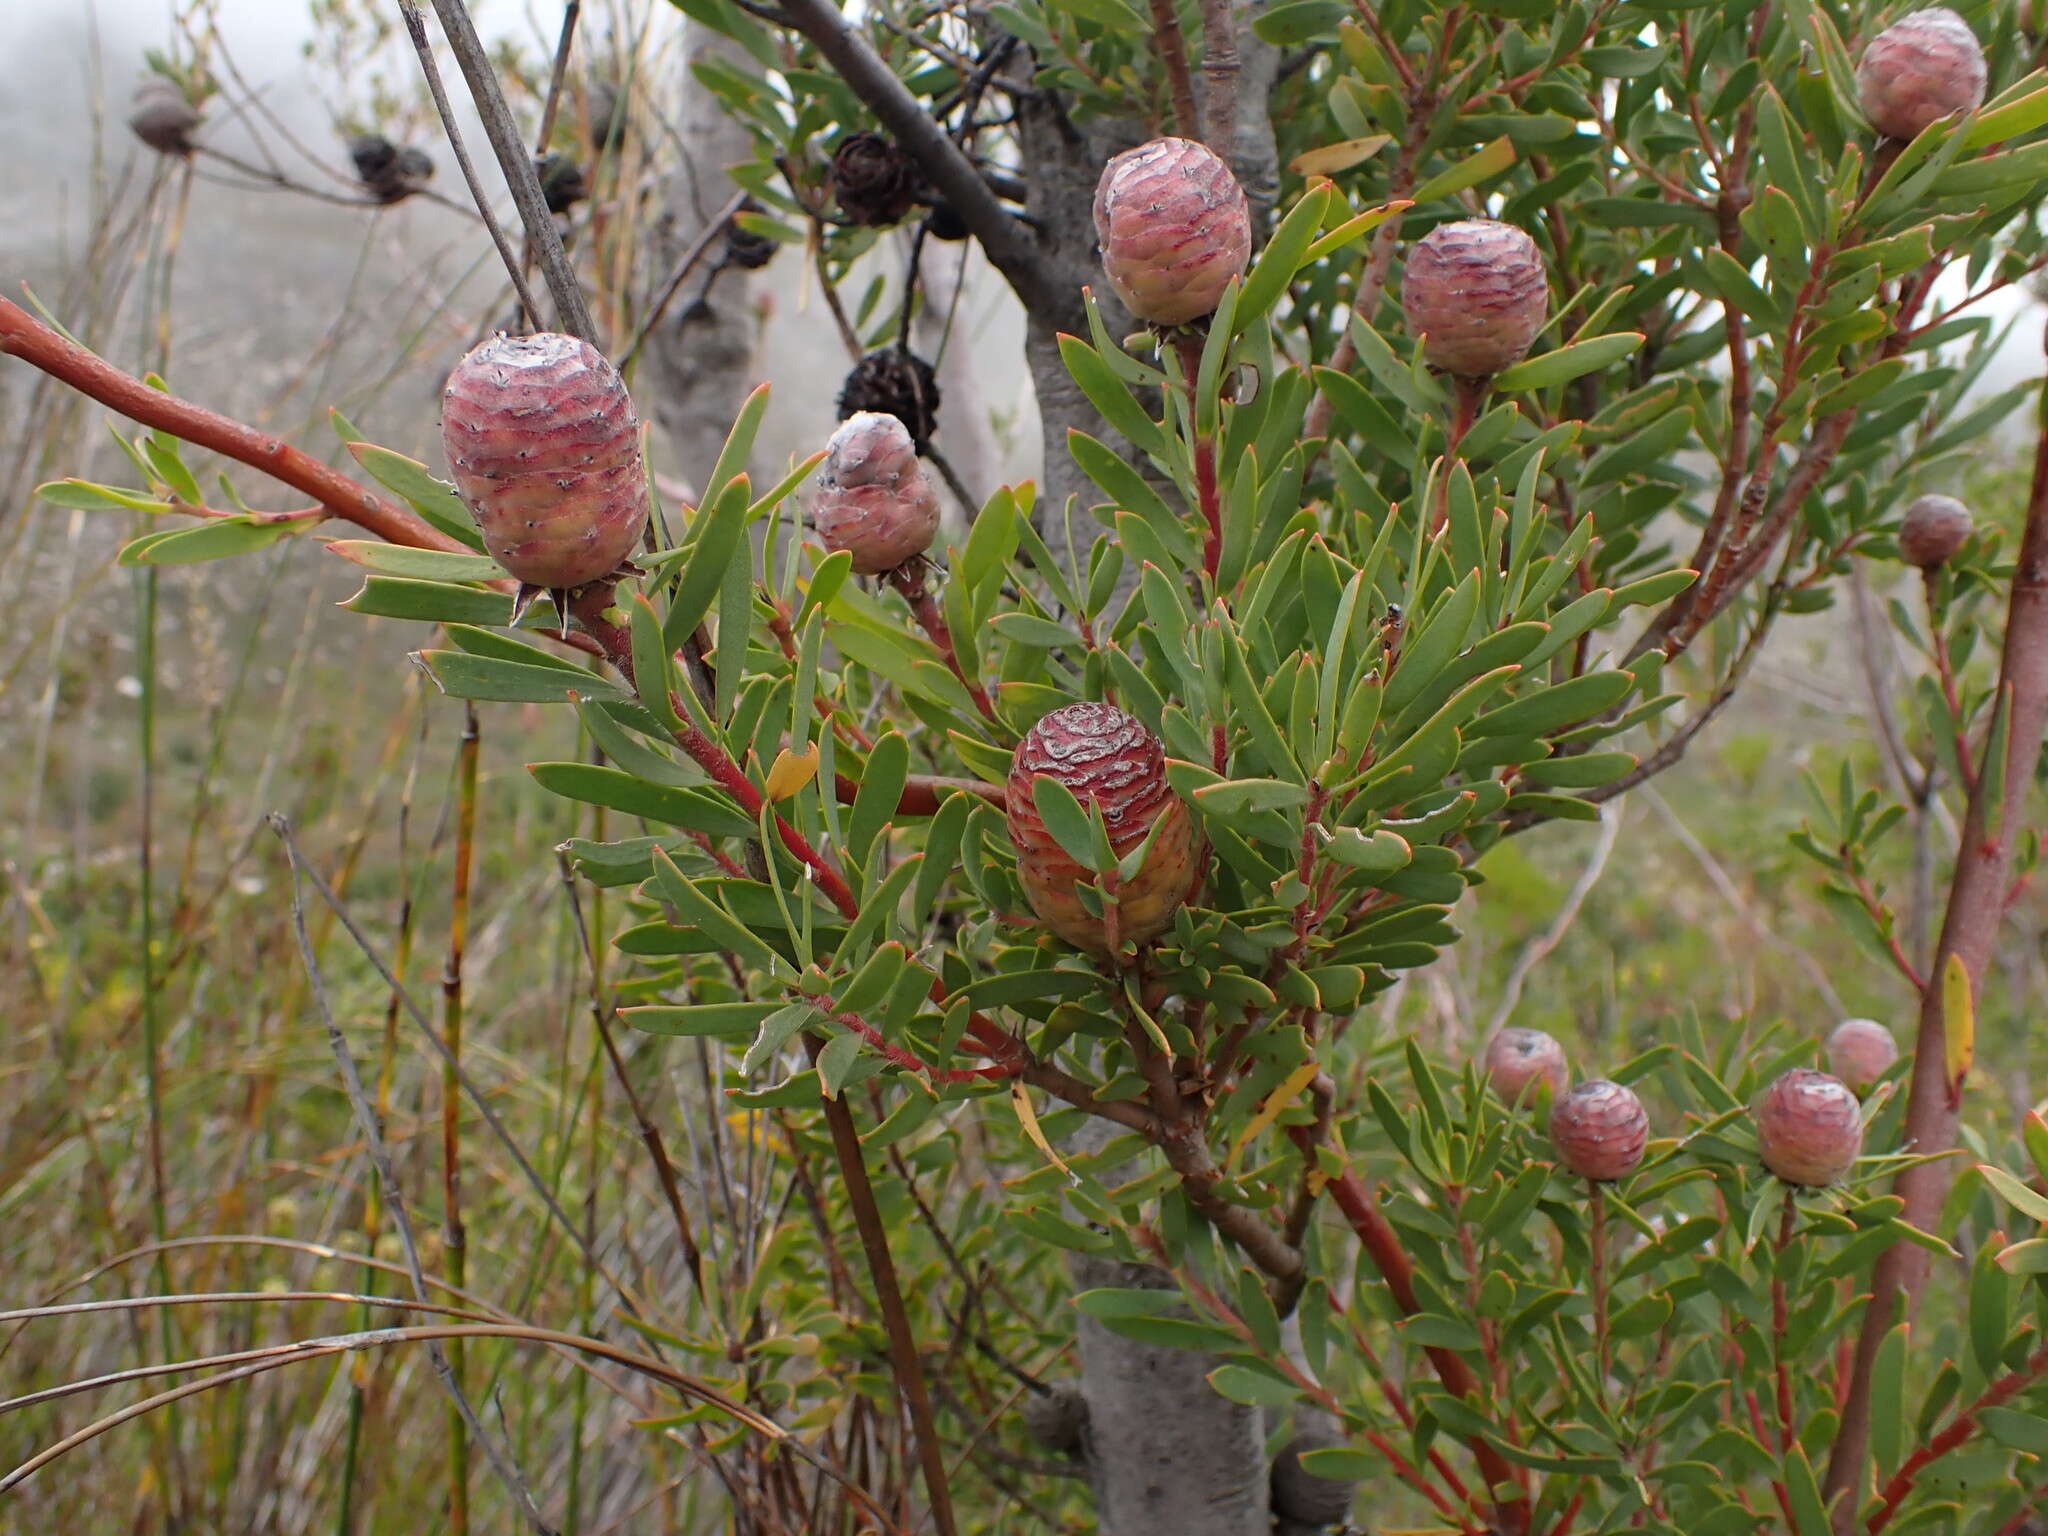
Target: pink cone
<point x="1920" y="69"/>
<point x="1109" y="759"/>
<point x="871" y="496"/>
<point x="1174" y="229"/>
<point x="1932" y="530"/>
<point x="1809" y="1127"/>
<point x="1860" y="1051"/>
<point x="544" y="447"/>
<point x="1517" y="1061"/>
<point x="1600" y="1130"/>
<point x="1477" y="293"/>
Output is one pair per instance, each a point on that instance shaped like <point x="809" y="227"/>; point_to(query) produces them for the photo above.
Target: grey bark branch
<point x="517" y="164"/>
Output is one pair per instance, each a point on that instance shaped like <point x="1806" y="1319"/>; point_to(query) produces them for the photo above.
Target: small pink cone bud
<point x="545" y="449"/>
<point x="1860" y="1051"/>
<point x="871" y="497"/>
<point x="1524" y="1063"/>
<point x="1808" y="1127"/>
<point x="1108" y="759"/>
<point x="1932" y="530"/>
<point x="1920" y="68"/>
<point x="1174" y="229"/>
<point x="1600" y="1130"/>
<point x="1476" y="291"/>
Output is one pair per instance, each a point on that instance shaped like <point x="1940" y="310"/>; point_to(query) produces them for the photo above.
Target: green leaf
<point x="1550" y="708"/>
<point x="1568" y="362"/>
<point x="1888" y="1401"/>
<point x="881" y="786"/>
<point x="1106" y="392"/>
<point x="1242" y="1384"/>
<point x="416" y="564"/>
<point x="434" y="499"/>
<point x="1285" y="248"/>
<point x="700" y="810"/>
<point x="836" y="1061"/>
<point x="1070" y="825"/>
<point x="717" y="535"/>
<point x="700" y="1018"/>
<point x="434" y="602"/>
<point x="1491" y="160"/>
<point x="84" y="495"/>
<point x="2029" y="1204"/>
<point x="221" y="539"/>
<point x="461" y="675"/>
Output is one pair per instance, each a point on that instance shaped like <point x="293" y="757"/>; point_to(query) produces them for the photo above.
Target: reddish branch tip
<point x="1108" y="759"/>
<point x="1524" y="1064"/>
<point x="1600" y="1130"/>
<point x="871" y="497"/>
<point x="1932" y="530"/>
<point x="1174" y="228"/>
<point x="1477" y="293"/>
<point x="1918" y="70"/>
<point x="1809" y="1127"/>
<point x="545" y="448"/>
<point x="1860" y="1051"/>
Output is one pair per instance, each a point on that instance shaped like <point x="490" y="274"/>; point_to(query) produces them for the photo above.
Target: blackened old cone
<point x="896" y="383"/>
<point x="162" y="118"/>
<point x="874" y="181"/>
<point x="562" y="183"/>
<point x="390" y="172"/>
<point x="750" y="248"/>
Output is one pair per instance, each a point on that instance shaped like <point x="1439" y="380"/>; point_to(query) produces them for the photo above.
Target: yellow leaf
<point x="792" y="772"/>
<point x="1341" y="156"/>
<point x="1276" y="1101"/>
<point x="1959" y="1021"/>
<point x="1028" y="1118"/>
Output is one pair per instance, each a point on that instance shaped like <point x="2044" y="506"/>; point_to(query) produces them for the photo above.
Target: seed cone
<point x="562" y="182"/>
<point x="873" y="180"/>
<point x="1174" y="228"/>
<point x="1108" y="759"/>
<point x="1056" y="1418"/>
<point x="162" y="118"/>
<point x="1919" y="69"/>
<point x="545" y="449"/>
<point x="746" y="248"/>
<point x="871" y="497"/>
<point x="390" y="172"/>
<point x="1300" y="1495"/>
<point x="1476" y="291"/>
<point x="1860" y="1051"/>
<point x="1600" y="1130"/>
<point x="1932" y="530"/>
<point x="1808" y="1127"/>
<point x="1524" y="1063"/>
<point x="897" y="382"/>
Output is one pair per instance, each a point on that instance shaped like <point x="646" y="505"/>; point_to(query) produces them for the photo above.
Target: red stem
<point x="1969" y="929"/>
<point x="1383" y="1246"/>
<point x="1953" y="1434"/>
<point x="910" y="581"/>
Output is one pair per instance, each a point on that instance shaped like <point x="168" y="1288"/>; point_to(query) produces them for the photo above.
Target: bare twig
<point x="713" y="231"/>
<point x="1009" y="243"/>
<point x="1173" y="52"/>
<point x="394" y="1193"/>
<point x="416" y="28"/>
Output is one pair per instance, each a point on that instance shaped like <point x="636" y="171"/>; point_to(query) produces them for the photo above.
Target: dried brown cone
<point x="562" y="182"/>
<point x="162" y="118"/>
<point x="1174" y="228"/>
<point x="1302" y="1497"/>
<point x="1809" y="1127"/>
<point x="748" y="248"/>
<point x="897" y="383"/>
<point x="873" y="180"/>
<point x="1056" y="1417"/>
<point x="1109" y="760"/>
<point x="390" y="172"/>
<point x="1918" y="70"/>
<point x="1477" y="292"/>
<point x="1600" y="1130"/>
<point x="1932" y="530"/>
<point x="544" y="446"/>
